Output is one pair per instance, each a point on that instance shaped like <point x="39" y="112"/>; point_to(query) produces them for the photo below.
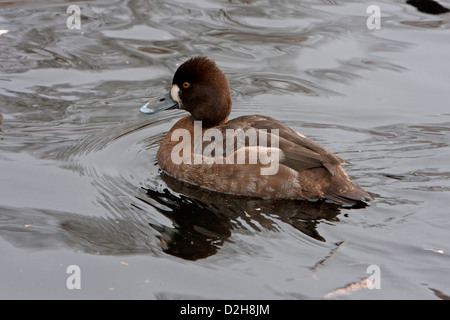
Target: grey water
<point x="79" y="182"/>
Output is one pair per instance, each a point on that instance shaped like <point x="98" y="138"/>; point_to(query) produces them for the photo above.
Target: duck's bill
<point x="162" y="104"/>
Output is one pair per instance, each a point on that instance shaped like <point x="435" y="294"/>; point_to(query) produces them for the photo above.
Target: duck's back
<point x="304" y="169"/>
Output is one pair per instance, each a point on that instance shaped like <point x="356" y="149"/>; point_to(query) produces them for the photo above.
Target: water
<point x="79" y="184"/>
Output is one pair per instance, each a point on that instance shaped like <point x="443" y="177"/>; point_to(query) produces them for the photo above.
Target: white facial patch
<point x="175" y="94"/>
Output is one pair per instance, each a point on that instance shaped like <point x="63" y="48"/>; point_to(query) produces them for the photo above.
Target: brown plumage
<point x="305" y="169"/>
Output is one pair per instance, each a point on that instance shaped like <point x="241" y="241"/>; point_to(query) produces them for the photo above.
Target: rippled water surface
<point x="79" y="182"/>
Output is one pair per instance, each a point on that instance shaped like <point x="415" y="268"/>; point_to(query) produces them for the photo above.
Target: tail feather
<point x="349" y="197"/>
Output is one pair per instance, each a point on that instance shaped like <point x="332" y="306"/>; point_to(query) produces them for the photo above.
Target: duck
<point x="248" y="156"/>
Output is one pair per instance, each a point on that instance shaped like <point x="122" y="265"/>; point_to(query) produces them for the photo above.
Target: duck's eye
<point x="186" y="85"/>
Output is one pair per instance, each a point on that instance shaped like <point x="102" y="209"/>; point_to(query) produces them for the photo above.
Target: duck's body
<point x="303" y="170"/>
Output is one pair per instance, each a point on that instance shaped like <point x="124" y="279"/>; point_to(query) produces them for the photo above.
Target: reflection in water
<point x="203" y="220"/>
<point x="50" y="229"/>
<point x="428" y="6"/>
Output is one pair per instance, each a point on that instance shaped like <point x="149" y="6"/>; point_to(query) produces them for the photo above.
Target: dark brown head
<point x="202" y="89"/>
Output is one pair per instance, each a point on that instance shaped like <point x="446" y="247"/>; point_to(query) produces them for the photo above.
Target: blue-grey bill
<point x="162" y="104"/>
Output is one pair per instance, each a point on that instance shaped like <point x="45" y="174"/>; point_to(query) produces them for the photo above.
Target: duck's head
<point x="200" y="88"/>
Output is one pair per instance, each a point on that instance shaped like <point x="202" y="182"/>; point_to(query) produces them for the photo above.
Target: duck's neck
<point x="211" y="116"/>
<point x="209" y="123"/>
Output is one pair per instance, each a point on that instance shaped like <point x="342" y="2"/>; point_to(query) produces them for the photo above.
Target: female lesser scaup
<point x="301" y="169"/>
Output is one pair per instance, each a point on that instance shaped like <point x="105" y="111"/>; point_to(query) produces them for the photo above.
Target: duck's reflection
<point x="203" y="220"/>
<point x="428" y="6"/>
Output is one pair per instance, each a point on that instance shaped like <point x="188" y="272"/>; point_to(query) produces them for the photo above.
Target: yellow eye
<point x="186" y="85"/>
